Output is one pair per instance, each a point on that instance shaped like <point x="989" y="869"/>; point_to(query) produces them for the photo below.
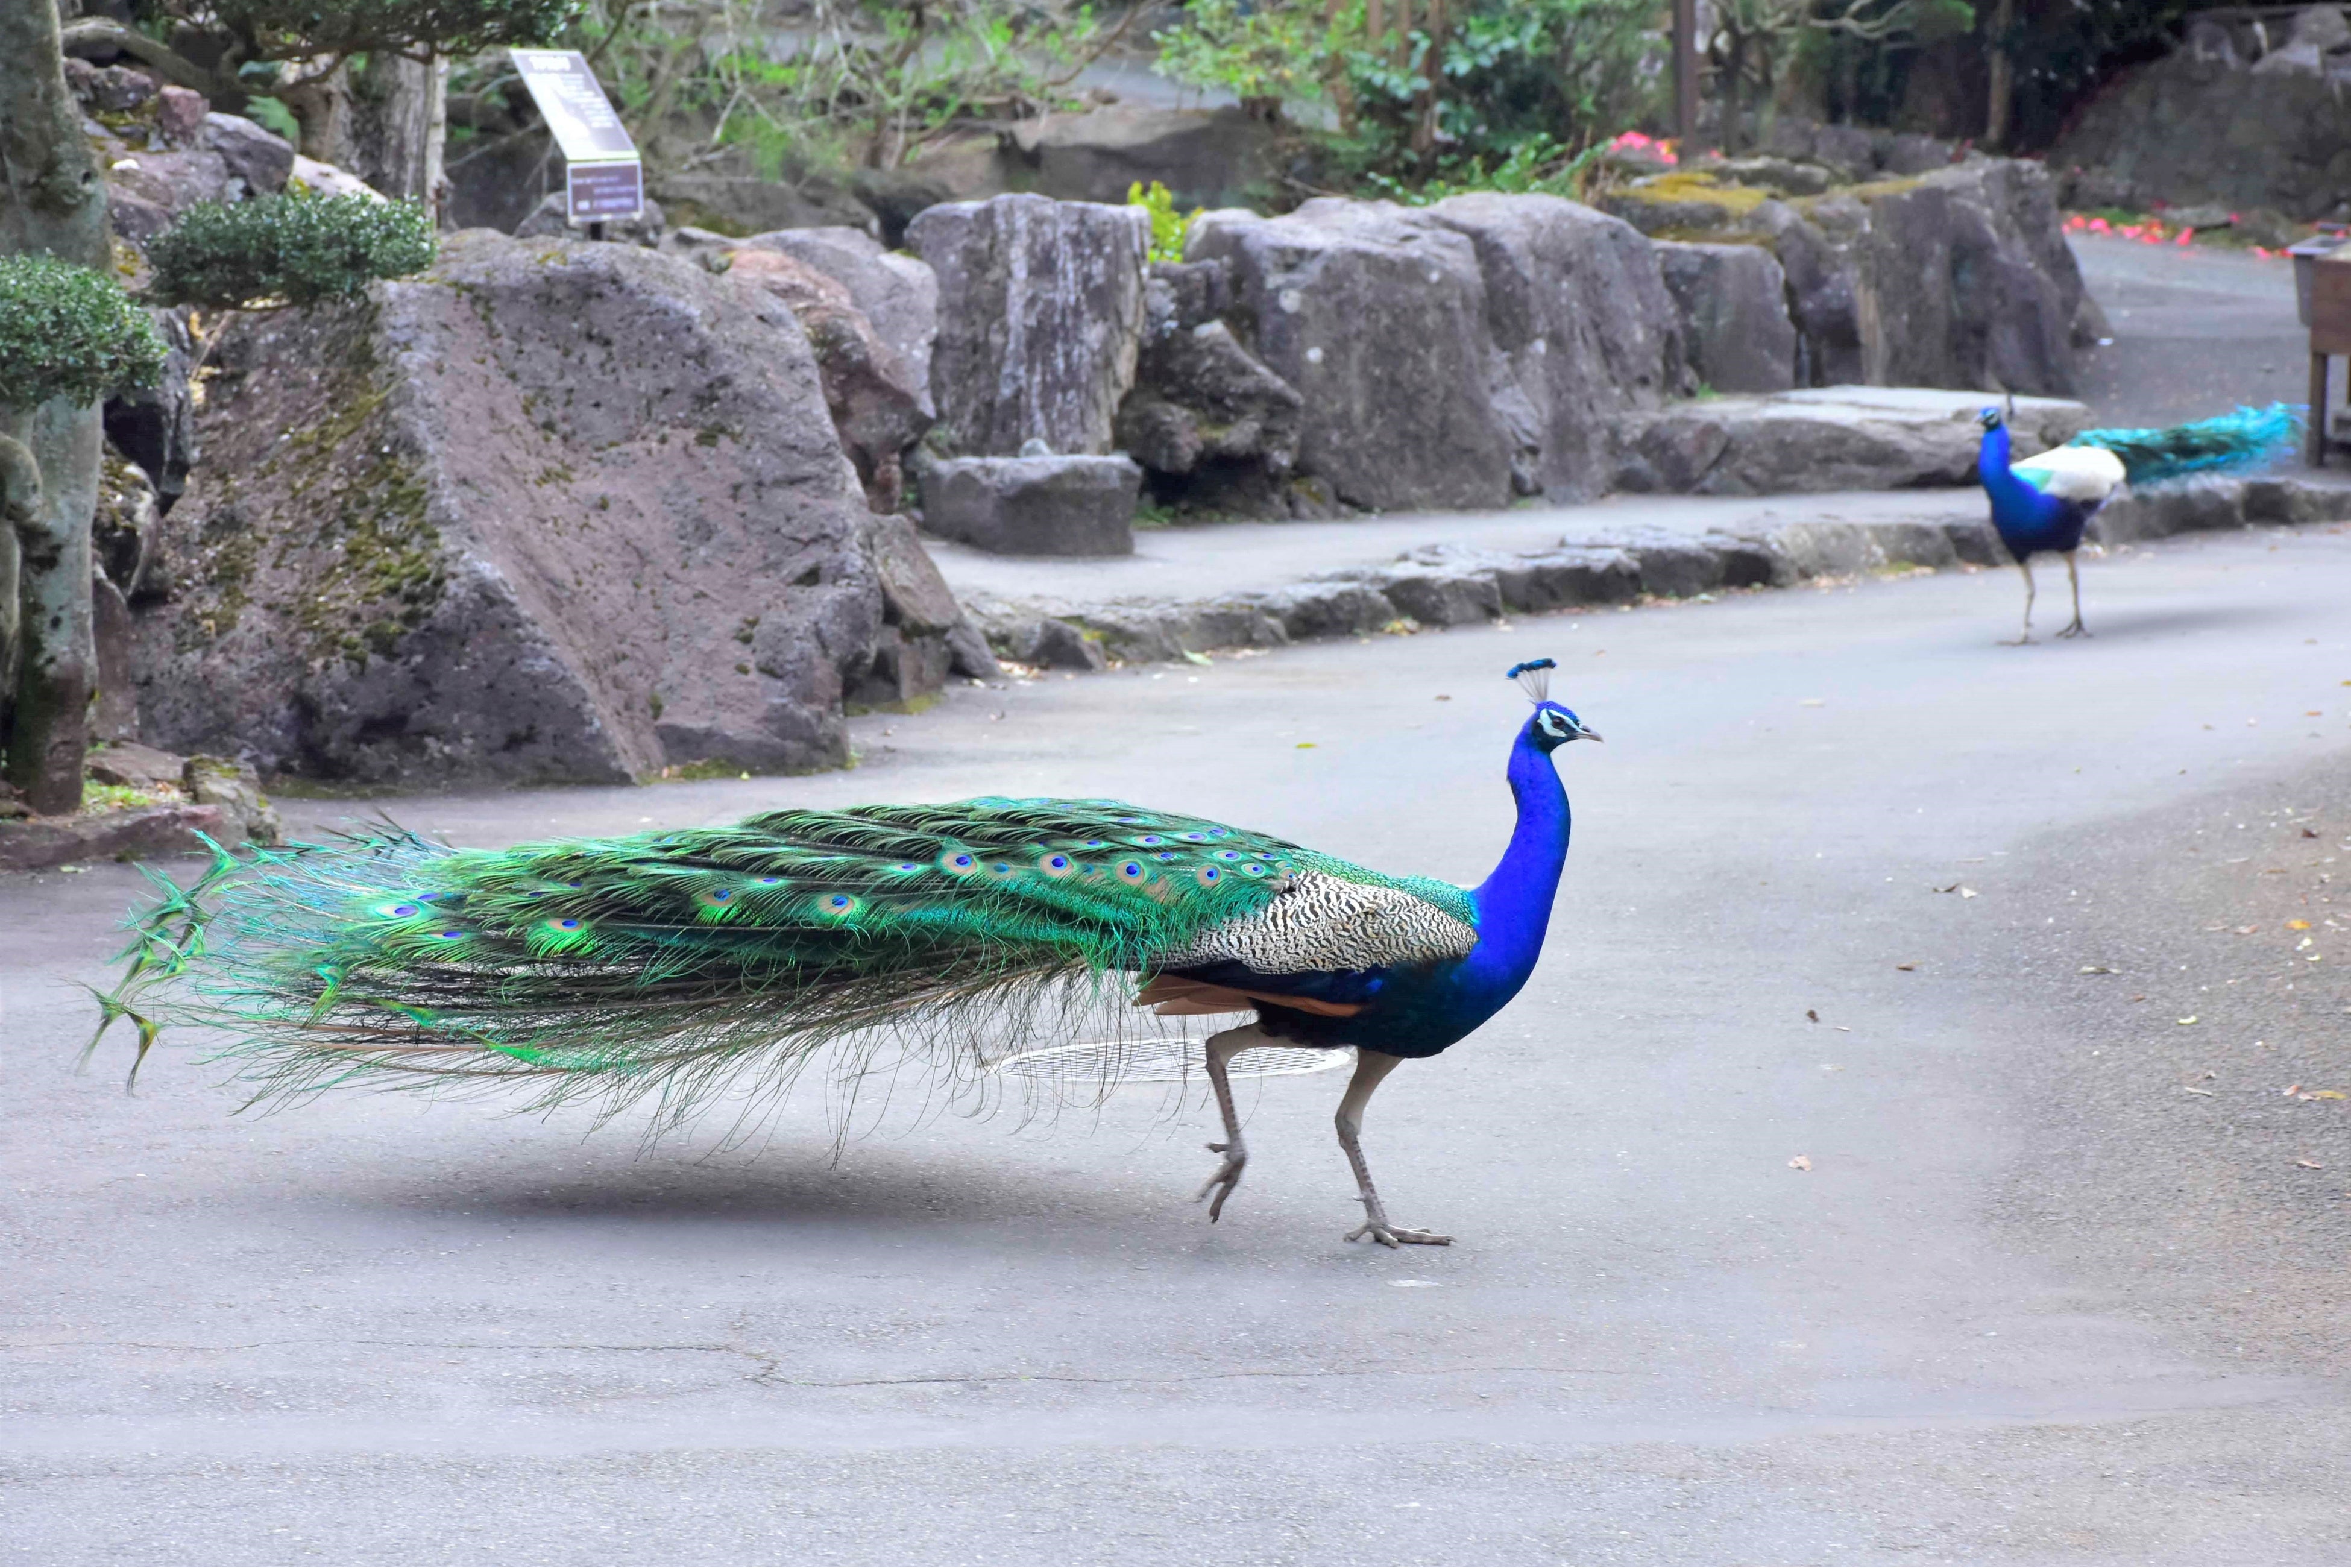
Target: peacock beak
<point x="1586" y="734"/>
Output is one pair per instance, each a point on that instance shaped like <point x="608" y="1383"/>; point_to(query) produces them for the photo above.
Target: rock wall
<point x="551" y="511"/>
<point x="1956" y="278"/>
<point x="2215" y="123"/>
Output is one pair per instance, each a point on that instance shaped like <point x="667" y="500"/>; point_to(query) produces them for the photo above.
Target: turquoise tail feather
<point x="2244" y="439"/>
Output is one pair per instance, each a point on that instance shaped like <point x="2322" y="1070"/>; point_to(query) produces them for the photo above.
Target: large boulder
<point x="1204" y="411"/>
<point x="735" y="203"/>
<point x="1734" y="308"/>
<point x="876" y="399"/>
<point x="1041" y="316"/>
<point x="551" y="511"/>
<point x="1377" y="317"/>
<point x="1580" y="328"/>
<point x="2204" y="124"/>
<point x="899" y="294"/>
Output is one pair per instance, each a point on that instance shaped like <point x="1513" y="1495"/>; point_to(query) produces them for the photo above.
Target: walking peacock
<point x="674" y="965"/>
<point x="2043" y="503"/>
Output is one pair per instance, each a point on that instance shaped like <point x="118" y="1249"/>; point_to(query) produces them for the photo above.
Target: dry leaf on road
<point x="1800" y="1162"/>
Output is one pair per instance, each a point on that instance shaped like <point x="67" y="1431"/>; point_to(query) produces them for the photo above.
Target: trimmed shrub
<point x="294" y="250"/>
<point x="68" y="331"/>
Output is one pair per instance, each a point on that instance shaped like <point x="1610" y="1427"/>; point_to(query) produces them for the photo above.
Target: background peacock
<point x="676" y="965"/>
<point x="2043" y="503"/>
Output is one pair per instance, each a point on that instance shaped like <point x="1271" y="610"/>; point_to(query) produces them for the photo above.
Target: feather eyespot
<point x="1003" y="871"/>
<point x="426" y="897"/>
<point x="1056" y="865"/>
<point x="1252" y="869"/>
<point x="400" y="911"/>
<point x="1134" y="874"/>
<point x="1209" y="875"/>
<point x="958" y="862"/>
<point x="906" y="865"/>
<point x="839" y="903"/>
<point x="1224" y="855"/>
<point x="1165" y="855"/>
<point x="565" y="924"/>
<point x="1194" y="838"/>
<point x="451" y="936"/>
<point x="1147" y="840"/>
<point x="1095" y="844"/>
<point x="771" y="882"/>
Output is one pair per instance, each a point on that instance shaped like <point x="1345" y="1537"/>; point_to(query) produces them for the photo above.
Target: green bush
<point x="296" y="250"/>
<point x="68" y="331"/>
<point x="1167" y="225"/>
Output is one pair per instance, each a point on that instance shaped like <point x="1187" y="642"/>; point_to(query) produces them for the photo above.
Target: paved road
<point x="2196" y="332"/>
<point x="2035" y="1300"/>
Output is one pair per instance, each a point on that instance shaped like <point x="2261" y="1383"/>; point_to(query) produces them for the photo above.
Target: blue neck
<point x="1514" y="903"/>
<point x="2017" y="508"/>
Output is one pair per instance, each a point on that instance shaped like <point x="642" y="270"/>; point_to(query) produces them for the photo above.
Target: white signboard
<point x="606" y="181"/>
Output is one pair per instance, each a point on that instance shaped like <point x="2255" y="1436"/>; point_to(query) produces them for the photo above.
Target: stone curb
<point x="1446" y="585"/>
<point x="46" y="842"/>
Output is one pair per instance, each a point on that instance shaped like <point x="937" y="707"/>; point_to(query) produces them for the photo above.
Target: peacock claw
<point x="1389" y="1236"/>
<point x="2075" y="630"/>
<point x="1227" y="1177"/>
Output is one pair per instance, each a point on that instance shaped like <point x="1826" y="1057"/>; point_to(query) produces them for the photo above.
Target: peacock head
<point x="1990" y="418"/>
<point x="1551" y="726"/>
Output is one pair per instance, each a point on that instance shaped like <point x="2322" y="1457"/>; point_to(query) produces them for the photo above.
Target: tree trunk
<point x="57" y="651"/>
<point x="52" y="201"/>
<point x="2002" y="95"/>
<point x="398" y="128"/>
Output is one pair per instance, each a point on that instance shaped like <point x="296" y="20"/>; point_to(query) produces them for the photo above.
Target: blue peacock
<point x="2042" y="504"/>
<point x="676" y="965"/>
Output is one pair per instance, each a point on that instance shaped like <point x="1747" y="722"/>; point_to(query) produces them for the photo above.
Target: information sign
<point x="605" y="182"/>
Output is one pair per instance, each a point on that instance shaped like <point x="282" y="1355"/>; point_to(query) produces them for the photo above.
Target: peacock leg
<point x="2074" y="577"/>
<point x="1220" y="1050"/>
<point x="2025" y="566"/>
<point x="1370" y="1067"/>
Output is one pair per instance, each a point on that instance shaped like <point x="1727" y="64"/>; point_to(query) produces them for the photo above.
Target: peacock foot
<point x="1227" y="1176"/>
<point x="2075" y="630"/>
<point x="1387" y="1235"/>
<point x="2027" y="641"/>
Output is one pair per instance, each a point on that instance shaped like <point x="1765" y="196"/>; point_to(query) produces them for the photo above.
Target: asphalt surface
<point x="2033" y="1300"/>
<point x="2196" y="332"/>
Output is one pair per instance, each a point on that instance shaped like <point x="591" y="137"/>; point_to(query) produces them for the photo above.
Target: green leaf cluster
<point x="1167" y="225"/>
<point x="293" y="250"/>
<point x="68" y="331"/>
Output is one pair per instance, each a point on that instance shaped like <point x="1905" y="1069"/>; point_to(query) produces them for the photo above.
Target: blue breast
<point x="2027" y="520"/>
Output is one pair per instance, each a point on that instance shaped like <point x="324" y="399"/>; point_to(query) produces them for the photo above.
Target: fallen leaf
<point x="1814" y="702"/>
<point x="2291" y="1089"/>
<point x="1812" y="1015"/>
<point x="1967" y="892"/>
<point x="1800" y="1162"/>
<point x="2310" y="1165"/>
<point x="1906" y="967"/>
<point x="1953" y="888"/>
<point x="2330" y="1094"/>
<point x="2247" y="930"/>
<point x="2206" y="1092"/>
<point x="1305" y="746"/>
<point x="1842" y="1029"/>
<point x="2297" y="925"/>
<point x="1192" y="658"/>
<point x="2190" y="1018"/>
<point x="2310" y="832"/>
<point x="1443" y="697"/>
<point x="2095" y="970"/>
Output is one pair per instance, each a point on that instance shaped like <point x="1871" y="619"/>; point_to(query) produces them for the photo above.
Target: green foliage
<point x="273" y="116"/>
<point x="1414" y="106"/>
<point x="1167" y="225"/>
<point x="68" y="331"/>
<point x="295" y="249"/>
<point x="297" y="29"/>
<point x="858" y="83"/>
<point x="1536" y="167"/>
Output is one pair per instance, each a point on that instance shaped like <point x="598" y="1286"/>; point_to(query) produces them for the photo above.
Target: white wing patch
<point x="1327" y="922"/>
<point x="2089" y="475"/>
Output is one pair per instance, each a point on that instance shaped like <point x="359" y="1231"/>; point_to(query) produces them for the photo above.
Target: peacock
<point x="678" y="965"/>
<point x="2043" y="503"/>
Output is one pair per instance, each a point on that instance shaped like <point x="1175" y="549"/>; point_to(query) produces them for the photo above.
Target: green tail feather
<point x="665" y="964"/>
<point x="2229" y="441"/>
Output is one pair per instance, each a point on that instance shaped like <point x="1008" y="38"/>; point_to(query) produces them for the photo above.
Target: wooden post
<point x="2314" y="438"/>
<point x="1685" y="75"/>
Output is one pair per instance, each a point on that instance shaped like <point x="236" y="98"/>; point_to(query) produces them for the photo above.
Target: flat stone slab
<point x="42" y="842"/>
<point x="1052" y="506"/>
<point x="1826" y="438"/>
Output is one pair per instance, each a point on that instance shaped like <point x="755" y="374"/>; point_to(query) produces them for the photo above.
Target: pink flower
<point x="2187" y="236"/>
<point x="2261" y="251"/>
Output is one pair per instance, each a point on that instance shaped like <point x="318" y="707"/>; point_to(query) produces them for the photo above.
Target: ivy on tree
<point x="291" y="250"/>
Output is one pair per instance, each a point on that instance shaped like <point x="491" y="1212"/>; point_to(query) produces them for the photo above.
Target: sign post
<point x="604" y="180"/>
